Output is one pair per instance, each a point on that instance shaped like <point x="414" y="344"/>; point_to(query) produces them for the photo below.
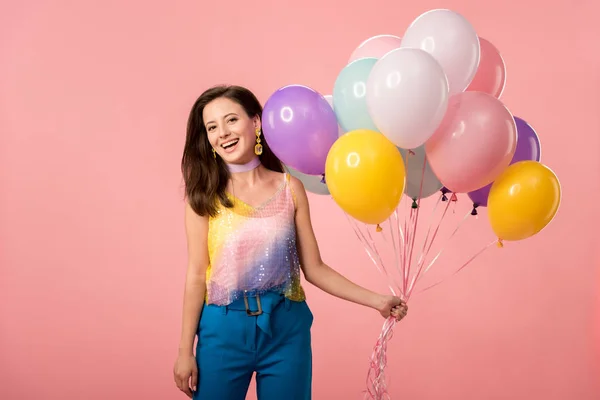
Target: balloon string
<point x="400" y="249"/>
<point x="400" y="287"/>
<point x="427" y="248"/>
<point x="376" y="380"/>
<point x="371" y="252"/>
<point x="487" y="246"/>
<point x="398" y="225"/>
<point x="408" y="217"/>
<point x="416" y="220"/>
<point x="405" y="262"/>
<point x="396" y="253"/>
<point x="460" y="224"/>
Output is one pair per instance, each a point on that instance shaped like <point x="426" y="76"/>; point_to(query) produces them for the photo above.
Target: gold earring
<point x="258" y="149"/>
<point x="214" y="153"/>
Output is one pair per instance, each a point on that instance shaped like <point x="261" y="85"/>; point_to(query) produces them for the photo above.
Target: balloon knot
<point x="323" y="179"/>
<point x="444" y="193"/>
<point x="414" y="204"/>
<point x="474" y="211"/>
<point x="454" y="197"/>
<point x="378" y="229"/>
<point x="500" y="244"/>
<point x="412" y="153"/>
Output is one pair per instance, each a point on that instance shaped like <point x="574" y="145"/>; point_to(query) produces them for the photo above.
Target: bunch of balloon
<point x="418" y="114"/>
<point x="435" y="94"/>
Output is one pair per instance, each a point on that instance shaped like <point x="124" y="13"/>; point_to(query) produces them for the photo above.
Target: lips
<point x="229" y="145"/>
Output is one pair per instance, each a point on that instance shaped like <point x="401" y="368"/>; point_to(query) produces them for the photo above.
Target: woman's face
<point x="231" y="132"/>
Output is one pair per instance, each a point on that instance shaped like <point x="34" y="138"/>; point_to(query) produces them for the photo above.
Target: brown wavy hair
<point x="204" y="176"/>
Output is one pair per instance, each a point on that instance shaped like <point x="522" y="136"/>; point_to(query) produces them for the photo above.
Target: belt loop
<point x="224" y="310"/>
<point x="288" y="304"/>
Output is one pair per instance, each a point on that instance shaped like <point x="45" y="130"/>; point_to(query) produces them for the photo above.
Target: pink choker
<point x="249" y="166"/>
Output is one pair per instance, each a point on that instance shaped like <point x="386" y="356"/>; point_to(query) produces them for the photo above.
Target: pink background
<point x="94" y="98"/>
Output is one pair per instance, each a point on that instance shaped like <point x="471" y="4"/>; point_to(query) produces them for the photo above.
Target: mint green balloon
<point x="350" y="96"/>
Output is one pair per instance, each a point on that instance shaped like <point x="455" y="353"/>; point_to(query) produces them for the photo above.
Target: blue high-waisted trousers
<point x="235" y="341"/>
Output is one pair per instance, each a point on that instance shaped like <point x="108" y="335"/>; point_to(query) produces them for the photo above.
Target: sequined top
<point x="253" y="249"/>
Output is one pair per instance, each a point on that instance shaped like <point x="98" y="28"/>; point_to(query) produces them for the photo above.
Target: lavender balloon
<point x="300" y="127"/>
<point x="528" y="148"/>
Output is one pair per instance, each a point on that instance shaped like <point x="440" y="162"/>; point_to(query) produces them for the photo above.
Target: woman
<point x="249" y="235"/>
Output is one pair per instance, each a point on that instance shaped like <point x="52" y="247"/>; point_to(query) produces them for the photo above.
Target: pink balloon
<point x="491" y="74"/>
<point x="474" y="143"/>
<point x="376" y="47"/>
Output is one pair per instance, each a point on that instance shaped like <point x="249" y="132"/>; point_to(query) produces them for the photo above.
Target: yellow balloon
<point x="365" y="175"/>
<point x="523" y="200"/>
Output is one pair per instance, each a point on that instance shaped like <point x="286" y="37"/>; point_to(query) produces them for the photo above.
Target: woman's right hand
<point x="185" y="373"/>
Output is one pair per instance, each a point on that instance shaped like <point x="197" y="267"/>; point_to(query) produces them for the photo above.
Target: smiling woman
<point x="249" y="239"/>
<point x="220" y="116"/>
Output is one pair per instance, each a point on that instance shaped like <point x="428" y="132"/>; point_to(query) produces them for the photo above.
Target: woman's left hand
<point x="394" y="306"/>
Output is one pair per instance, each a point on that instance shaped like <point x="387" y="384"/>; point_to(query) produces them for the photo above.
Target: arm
<point x="320" y="274"/>
<point x="186" y="371"/>
<point x="195" y="281"/>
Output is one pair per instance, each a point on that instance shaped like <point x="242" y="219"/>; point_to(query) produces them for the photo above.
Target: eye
<point x="233" y="119"/>
<point x="210" y="128"/>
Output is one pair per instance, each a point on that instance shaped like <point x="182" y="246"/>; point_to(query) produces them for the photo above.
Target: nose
<point x="224" y="131"/>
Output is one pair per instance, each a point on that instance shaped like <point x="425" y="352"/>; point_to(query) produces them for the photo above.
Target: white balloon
<point x="407" y="96"/>
<point x="451" y="40"/>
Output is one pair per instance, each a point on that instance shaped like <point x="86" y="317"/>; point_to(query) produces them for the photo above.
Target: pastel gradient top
<point x="253" y="249"/>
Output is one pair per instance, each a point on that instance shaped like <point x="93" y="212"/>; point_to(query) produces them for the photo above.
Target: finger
<point x="186" y="389"/>
<point x="183" y="385"/>
<point x="399" y="314"/>
<point x="179" y="382"/>
<point x="194" y="380"/>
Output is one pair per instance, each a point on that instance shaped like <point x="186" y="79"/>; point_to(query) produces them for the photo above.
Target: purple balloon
<point x="528" y="148"/>
<point x="300" y="127"/>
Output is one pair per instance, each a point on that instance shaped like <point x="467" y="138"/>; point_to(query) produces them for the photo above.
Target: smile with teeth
<point x="229" y="144"/>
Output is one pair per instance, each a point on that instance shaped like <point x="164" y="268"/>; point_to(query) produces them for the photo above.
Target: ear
<point x="257" y="123"/>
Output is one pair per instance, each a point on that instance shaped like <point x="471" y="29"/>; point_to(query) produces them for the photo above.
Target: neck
<point x="249" y="166"/>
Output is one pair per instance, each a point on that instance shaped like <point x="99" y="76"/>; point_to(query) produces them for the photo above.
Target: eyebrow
<point x="226" y="115"/>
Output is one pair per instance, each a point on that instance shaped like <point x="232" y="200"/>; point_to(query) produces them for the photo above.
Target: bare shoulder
<point x="299" y="191"/>
<point x="296" y="184"/>
<point x="194" y="222"/>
